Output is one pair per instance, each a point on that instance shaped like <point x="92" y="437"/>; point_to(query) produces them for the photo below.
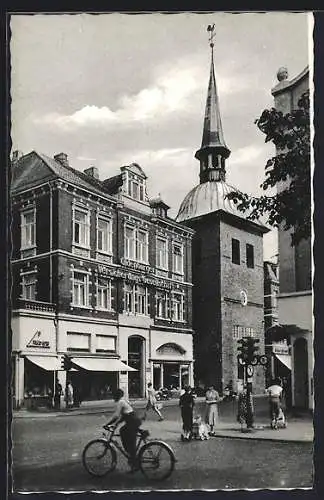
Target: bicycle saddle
<point x="143" y="433"/>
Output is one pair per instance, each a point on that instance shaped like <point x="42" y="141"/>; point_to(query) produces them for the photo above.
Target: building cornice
<point x="285" y="85"/>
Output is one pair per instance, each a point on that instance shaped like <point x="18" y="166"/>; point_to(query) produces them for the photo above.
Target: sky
<point x="112" y="89"/>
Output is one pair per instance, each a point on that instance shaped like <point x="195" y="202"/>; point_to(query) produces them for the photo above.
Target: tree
<point x="289" y="170"/>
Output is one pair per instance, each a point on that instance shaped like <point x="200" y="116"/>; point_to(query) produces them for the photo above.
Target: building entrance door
<point x="135" y="360"/>
<point x="301" y="373"/>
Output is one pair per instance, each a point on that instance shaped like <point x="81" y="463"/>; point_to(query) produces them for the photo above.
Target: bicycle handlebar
<point x="109" y="428"/>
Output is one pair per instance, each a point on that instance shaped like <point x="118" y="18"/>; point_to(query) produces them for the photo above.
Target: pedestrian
<point x="69" y="395"/>
<point x="245" y="408"/>
<point x="186" y="404"/>
<point x="152" y="402"/>
<point x="76" y="397"/>
<point x="274" y="392"/>
<point x="125" y="413"/>
<point x="57" y="395"/>
<point x="212" y="399"/>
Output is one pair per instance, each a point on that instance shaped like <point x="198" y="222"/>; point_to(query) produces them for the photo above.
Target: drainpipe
<point x="51" y="283"/>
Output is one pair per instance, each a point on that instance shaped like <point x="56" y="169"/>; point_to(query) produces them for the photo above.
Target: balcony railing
<point x="36" y="305"/>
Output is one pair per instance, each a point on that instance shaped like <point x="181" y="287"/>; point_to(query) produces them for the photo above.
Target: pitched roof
<point x="72" y="175"/>
<point x="30" y="170"/>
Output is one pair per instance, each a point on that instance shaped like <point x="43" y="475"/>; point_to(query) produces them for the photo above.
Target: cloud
<point x="168" y="94"/>
<point x="85" y="158"/>
<point x="173" y="91"/>
<point x="246" y="154"/>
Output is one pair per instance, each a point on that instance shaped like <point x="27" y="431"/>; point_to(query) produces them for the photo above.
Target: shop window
<point x="29" y="284"/>
<point x="105" y="343"/>
<point x="177" y="258"/>
<point x="80" y="295"/>
<point x="78" y="341"/>
<point x="81" y="227"/>
<point x="236" y="258"/>
<point x="136" y="299"/>
<point x="162" y="253"/>
<point x="249" y="256"/>
<point x="177" y="307"/>
<point x="104" y="294"/>
<point x="162" y="305"/>
<point x="28" y="232"/>
<point x="104" y="235"/>
<point x="136" y="244"/>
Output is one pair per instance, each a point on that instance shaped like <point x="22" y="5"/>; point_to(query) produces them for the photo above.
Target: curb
<point x="265" y="438"/>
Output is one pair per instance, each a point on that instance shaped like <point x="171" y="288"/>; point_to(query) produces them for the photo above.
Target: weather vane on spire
<point x="211" y="29"/>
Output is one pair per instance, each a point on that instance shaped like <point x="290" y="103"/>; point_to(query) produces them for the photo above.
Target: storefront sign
<point x="36" y="342"/>
<point x="137" y="278"/>
<point x="280" y="349"/>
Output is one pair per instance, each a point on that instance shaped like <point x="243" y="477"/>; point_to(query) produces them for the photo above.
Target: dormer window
<point x="135" y="187"/>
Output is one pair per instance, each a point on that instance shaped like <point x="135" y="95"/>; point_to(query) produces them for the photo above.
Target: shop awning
<point x="285" y="359"/>
<point x="48" y="363"/>
<point x="102" y="365"/>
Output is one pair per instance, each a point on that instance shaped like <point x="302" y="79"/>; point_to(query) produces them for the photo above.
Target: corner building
<point x="228" y="277"/>
<point x="295" y="298"/>
<point x="99" y="273"/>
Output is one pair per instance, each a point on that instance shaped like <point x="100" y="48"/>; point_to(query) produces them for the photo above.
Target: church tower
<point x="213" y="151"/>
<point x="227" y="259"/>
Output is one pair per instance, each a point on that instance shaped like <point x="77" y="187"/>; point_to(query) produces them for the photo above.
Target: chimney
<point x="62" y="158"/>
<point x="16" y="155"/>
<point x="92" y="172"/>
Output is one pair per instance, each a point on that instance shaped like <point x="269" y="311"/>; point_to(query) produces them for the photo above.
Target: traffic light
<point x="253" y="348"/>
<point x="242" y="351"/>
<point x="66" y="363"/>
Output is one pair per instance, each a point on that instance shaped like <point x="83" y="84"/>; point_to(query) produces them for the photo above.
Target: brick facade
<point x="57" y="260"/>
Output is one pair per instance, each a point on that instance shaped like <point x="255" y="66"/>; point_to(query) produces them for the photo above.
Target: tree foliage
<point x="288" y="171"/>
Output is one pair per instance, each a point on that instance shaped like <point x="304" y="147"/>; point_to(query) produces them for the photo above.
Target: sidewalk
<point x="299" y="428"/>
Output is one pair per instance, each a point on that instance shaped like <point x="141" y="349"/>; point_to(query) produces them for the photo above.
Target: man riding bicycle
<point x="125" y="413"/>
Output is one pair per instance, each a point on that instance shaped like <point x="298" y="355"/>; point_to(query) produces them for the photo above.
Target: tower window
<point x="250" y="256"/>
<point x="236" y="259"/>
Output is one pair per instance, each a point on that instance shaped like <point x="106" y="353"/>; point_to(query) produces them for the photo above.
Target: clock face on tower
<point x="244" y="298"/>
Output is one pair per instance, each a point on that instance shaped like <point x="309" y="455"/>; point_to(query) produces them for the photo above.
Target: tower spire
<point x="213" y="150"/>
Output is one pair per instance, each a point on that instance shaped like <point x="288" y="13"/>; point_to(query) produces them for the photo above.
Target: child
<point x="199" y="429"/>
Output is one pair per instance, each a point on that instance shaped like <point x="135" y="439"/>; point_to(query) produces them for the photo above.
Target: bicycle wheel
<point x="156" y="460"/>
<point x="99" y="458"/>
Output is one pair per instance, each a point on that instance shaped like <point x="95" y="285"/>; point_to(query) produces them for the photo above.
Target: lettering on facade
<point x="137" y="266"/>
<point x="136" y="278"/>
<point x="36" y="342"/>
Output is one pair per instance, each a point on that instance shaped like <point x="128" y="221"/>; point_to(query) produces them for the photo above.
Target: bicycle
<point x="156" y="459"/>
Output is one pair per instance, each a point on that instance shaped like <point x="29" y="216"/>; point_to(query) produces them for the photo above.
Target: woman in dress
<point x="186" y="404"/>
<point x="212" y="398"/>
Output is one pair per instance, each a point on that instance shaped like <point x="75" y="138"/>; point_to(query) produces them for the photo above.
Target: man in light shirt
<point x="274" y="391"/>
<point x="152" y="402"/>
